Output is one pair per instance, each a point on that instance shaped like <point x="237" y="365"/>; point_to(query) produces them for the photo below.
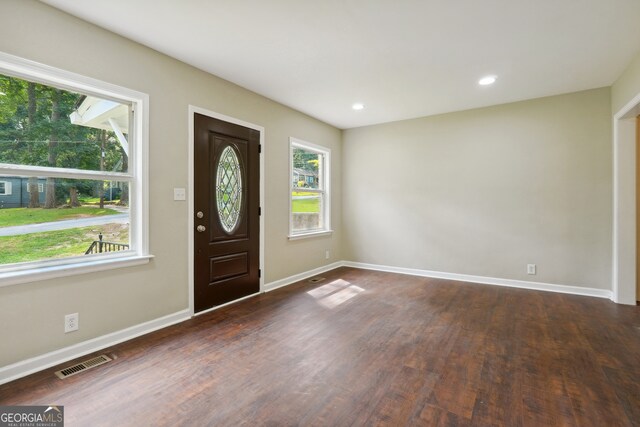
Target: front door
<point x="226" y="236"/>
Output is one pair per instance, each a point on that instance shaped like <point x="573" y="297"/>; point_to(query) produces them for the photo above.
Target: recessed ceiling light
<point x="358" y="106"/>
<point x="486" y="81"/>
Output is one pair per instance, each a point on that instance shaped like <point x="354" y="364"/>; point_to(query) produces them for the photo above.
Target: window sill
<point x="17" y="277"/>
<point x="310" y="234"/>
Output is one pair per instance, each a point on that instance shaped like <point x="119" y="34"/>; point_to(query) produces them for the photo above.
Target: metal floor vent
<point x="316" y="279"/>
<point x="83" y="366"/>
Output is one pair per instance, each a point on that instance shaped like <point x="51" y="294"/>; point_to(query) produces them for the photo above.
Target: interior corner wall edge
<point x="485" y="192"/>
<point x="32" y="314"/>
<point x="627" y="86"/>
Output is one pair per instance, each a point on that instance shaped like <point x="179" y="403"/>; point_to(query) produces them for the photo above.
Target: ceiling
<point x="400" y="58"/>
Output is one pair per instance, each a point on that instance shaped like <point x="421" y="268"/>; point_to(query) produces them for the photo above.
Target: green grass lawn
<point x="89" y="200"/>
<point x="95" y="201"/>
<point x="23" y="216"/>
<point x="57" y="244"/>
<point x="305" y="205"/>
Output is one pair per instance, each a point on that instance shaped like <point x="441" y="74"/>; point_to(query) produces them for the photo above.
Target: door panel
<point x="226" y="186"/>
<point x="228" y="266"/>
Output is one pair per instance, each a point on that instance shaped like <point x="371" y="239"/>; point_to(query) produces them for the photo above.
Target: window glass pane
<point x="87" y="216"/>
<point x="306" y="211"/>
<point x="44" y="126"/>
<point x="306" y="168"/>
<point x="228" y="187"/>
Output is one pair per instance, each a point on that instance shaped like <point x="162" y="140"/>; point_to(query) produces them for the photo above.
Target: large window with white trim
<point x="73" y="153"/>
<point x="309" y="195"/>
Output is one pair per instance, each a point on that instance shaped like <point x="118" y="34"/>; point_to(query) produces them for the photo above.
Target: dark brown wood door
<point x="226" y="185"/>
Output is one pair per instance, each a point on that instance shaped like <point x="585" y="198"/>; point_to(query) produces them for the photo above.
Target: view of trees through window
<point x="85" y="139"/>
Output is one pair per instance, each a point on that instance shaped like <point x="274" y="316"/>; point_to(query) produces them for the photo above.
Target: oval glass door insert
<point x="229" y="189"/>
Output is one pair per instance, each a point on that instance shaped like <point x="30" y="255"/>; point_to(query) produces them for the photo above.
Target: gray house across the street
<point x="14" y="192"/>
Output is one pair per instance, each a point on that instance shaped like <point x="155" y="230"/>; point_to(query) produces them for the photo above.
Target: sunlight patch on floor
<point x="335" y="293"/>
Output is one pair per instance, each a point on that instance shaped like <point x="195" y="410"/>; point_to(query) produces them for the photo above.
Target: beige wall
<point x="31" y="315"/>
<point x="485" y="192"/>
<point x="627" y="86"/>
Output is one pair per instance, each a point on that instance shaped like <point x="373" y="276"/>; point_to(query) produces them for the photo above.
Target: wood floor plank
<point x="546" y="408"/>
<point x="368" y="348"/>
<point x="499" y="398"/>
<point x="437" y="417"/>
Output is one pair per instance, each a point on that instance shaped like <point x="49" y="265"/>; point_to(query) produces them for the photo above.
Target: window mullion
<point x="43" y="171"/>
<point x="307" y="190"/>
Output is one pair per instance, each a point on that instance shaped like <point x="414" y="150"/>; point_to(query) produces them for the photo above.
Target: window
<point x="40" y="188"/>
<point x="5" y="188"/>
<point x="68" y="141"/>
<point x="309" y="195"/>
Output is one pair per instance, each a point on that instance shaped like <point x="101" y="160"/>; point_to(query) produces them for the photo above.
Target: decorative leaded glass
<point x="229" y="189"/>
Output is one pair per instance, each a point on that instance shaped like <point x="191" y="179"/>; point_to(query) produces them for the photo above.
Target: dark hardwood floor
<point x="368" y="348"/>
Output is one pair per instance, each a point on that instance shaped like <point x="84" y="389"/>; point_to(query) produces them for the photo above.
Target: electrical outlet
<point x="179" y="194"/>
<point x="531" y="269"/>
<point x="327" y="254"/>
<point x="71" y="322"/>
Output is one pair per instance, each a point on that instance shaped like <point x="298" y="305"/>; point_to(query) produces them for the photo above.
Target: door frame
<point x="190" y="202"/>
<point x="624" y="203"/>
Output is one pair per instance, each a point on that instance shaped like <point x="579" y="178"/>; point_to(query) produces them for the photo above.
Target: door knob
<point x="201" y="228"/>
<point x="200" y="214"/>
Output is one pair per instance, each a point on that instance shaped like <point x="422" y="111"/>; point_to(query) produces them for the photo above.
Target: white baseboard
<point x="301" y="276"/>
<point x="39" y="363"/>
<point x="538" y="286"/>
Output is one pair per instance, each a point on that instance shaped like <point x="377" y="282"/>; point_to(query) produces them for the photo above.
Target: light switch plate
<point x="179" y="194"/>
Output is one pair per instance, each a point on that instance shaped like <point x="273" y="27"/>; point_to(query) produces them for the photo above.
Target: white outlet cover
<point x="71" y="322"/>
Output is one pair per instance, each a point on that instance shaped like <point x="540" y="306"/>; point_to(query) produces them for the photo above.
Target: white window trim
<point x="326" y="174"/>
<point x="138" y="175"/>
<point x="7" y="189"/>
<point x="40" y="188"/>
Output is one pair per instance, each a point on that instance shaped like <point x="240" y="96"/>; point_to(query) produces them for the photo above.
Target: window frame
<point x="137" y="176"/>
<point x="324" y="188"/>
<point x="7" y="186"/>
<point x="40" y="188"/>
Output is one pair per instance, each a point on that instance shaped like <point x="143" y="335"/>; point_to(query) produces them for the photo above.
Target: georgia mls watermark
<point x="32" y="416"/>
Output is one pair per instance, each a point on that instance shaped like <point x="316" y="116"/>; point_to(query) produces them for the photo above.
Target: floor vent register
<point x="83" y="366"/>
